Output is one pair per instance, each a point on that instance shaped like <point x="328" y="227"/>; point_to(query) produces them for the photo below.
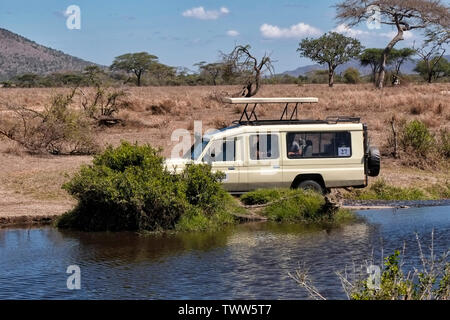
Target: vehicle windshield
<point x="196" y="149"/>
<point x="201" y="143"/>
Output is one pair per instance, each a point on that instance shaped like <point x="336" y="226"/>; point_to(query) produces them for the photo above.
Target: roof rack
<point x="252" y="117"/>
<point x="336" y="119"/>
<point x="296" y="121"/>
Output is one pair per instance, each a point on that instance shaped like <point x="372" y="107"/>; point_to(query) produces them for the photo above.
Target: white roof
<point x="270" y="100"/>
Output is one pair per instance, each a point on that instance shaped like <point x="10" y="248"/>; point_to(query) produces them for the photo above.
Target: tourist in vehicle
<point x="297" y="146"/>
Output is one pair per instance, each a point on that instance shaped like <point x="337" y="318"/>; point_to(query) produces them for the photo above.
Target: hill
<point x="19" y="55"/>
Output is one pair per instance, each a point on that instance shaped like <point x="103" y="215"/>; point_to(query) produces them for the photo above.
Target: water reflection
<point x="249" y="261"/>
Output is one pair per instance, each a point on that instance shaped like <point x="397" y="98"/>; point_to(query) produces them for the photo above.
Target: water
<point x="249" y="261"/>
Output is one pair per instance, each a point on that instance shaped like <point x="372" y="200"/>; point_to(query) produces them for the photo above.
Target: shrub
<point x="297" y="205"/>
<point x="203" y="188"/>
<point x="104" y="104"/>
<point x="416" y="137"/>
<point x="262" y="196"/>
<point x="59" y="129"/>
<point x="351" y="75"/>
<point x="196" y="220"/>
<point x="128" y="188"/>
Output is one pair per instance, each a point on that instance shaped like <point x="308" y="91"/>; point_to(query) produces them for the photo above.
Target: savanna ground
<point x="30" y="185"/>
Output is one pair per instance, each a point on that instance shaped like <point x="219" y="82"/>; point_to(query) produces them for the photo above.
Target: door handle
<point x="276" y="167"/>
<point x="231" y="168"/>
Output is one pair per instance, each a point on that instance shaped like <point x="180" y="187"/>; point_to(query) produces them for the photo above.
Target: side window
<point x="264" y="147"/>
<point x="221" y="150"/>
<point x="318" y="145"/>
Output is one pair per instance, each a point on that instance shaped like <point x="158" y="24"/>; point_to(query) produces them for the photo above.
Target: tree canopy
<point x="136" y="63"/>
<point x="332" y="49"/>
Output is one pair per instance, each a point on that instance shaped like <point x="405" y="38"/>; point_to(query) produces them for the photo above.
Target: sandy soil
<point x="30" y="186"/>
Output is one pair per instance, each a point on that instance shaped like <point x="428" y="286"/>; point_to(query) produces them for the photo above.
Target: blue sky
<point x="182" y="32"/>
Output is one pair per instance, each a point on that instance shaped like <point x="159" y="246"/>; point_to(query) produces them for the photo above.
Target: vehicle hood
<point x="176" y="165"/>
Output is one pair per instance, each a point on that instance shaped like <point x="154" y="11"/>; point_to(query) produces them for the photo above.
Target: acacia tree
<point x="371" y="57"/>
<point x="399" y="57"/>
<point x="332" y="49"/>
<point x="161" y="72"/>
<point x="404" y="15"/>
<point x="210" y="70"/>
<point x="136" y="63"/>
<point x="433" y="69"/>
<point x="247" y="68"/>
<point x="433" y="63"/>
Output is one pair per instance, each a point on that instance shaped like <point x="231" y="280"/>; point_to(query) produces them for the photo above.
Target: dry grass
<point x="155" y="112"/>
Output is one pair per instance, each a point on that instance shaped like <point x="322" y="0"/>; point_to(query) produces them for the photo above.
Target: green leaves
<point x="128" y="188"/>
<point x="332" y="48"/>
<point x="136" y="63"/>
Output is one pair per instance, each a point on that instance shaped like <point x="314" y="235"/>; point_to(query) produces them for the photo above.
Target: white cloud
<point x="295" y="31"/>
<point x="202" y="14"/>
<point x="232" y="33"/>
<point x="347" y="31"/>
<point x="406" y="35"/>
<point x="224" y="10"/>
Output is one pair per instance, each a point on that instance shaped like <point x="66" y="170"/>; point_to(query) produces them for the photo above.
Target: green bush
<point x="298" y="205"/>
<point x="203" y="188"/>
<point x="196" y="220"/>
<point x="128" y="188"/>
<point x="351" y="75"/>
<point x="415" y="137"/>
<point x="262" y="196"/>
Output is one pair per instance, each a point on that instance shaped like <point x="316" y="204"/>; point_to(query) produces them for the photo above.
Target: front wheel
<point x="311" y="185"/>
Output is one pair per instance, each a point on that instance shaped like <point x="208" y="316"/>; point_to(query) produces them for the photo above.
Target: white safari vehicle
<point x="287" y="152"/>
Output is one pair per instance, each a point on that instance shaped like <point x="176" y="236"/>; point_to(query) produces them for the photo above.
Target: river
<point x="249" y="261"/>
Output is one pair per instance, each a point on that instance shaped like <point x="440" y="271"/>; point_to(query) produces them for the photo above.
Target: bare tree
<point x="249" y="68"/>
<point x="404" y="15"/>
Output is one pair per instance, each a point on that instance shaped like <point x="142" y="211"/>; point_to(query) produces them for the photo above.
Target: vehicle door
<point x="223" y="155"/>
<point x="262" y="168"/>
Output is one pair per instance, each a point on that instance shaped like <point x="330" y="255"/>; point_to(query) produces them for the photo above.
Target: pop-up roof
<point x="251" y="118"/>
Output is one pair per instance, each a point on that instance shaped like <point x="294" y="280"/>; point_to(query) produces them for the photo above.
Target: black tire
<point x="311" y="185"/>
<point x="374" y="162"/>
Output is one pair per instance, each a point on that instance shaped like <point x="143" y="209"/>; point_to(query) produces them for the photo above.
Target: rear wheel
<point x="311" y="185"/>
